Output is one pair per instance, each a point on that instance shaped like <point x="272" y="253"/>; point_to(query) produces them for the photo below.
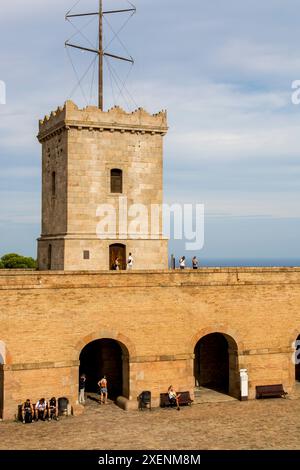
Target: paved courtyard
<point x="260" y="424"/>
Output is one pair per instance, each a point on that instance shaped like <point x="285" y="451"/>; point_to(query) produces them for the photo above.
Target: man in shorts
<point x="103" y="390"/>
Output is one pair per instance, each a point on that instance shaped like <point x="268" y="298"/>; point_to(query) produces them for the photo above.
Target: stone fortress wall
<point x="157" y="317"/>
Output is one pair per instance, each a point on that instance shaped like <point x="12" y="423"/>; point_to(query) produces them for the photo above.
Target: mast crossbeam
<point x="118" y="57"/>
<point x="81" y="48"/>
<point x="100" y="50"/>
<point x="82" y="14"/>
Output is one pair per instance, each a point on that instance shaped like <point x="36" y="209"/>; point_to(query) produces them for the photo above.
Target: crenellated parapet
<point x="92" y="118"/>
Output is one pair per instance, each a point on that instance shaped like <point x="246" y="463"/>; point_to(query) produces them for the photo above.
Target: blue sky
<point x="223" y="70"/>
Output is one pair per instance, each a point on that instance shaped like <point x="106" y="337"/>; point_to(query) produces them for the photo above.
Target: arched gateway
<point x="216" y="364"/>
<point x="106" y="357"/>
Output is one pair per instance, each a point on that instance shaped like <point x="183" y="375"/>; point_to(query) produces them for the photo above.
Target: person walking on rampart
<point x="195" y="263"/>
<point x="130" y="262"/>
<point x="182" y="262"/>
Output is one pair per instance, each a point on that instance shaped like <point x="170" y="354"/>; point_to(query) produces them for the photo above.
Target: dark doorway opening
<point x="216" y="364"/>
<point x="106" y="357"/>
<point x="117" y="251"/>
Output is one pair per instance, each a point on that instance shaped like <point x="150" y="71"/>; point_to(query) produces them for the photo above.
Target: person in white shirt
<point x="41" y="409"/>
<point x="173" y="396"/>
<point x="182" y="262"/>
<point x="117" y="264"/>
<point x="130" y="262"/>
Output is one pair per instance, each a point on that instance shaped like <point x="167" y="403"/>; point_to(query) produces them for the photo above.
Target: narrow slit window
<point x="116" y="181"/>
<point x="49" y="257"/>
<point x="53" y="184"/>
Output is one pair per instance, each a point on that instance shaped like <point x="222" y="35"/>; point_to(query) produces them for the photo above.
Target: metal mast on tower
<point x="100" y="51"/>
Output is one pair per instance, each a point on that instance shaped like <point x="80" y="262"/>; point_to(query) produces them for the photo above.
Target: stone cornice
<point x="40" y="365"/>
<point x="93" y="119"/>
<point x="233" y="278"/>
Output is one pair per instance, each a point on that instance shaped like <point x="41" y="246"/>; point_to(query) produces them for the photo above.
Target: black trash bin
<point x="145" y="400"/>
<point x="63" y="403"/>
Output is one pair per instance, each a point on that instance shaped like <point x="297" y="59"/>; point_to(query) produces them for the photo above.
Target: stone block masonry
<point x="80" y="149"/>
<point x="156" y="318"/>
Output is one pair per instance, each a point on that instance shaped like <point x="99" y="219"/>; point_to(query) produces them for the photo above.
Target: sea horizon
<point x="243" y="262"/>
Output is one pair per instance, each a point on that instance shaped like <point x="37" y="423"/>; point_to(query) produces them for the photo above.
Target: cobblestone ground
<point x="260" y="424"/>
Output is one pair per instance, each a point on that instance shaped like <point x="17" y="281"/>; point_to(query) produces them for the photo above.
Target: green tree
<point x="15" y="261"/>
<point x="1" y="264"/>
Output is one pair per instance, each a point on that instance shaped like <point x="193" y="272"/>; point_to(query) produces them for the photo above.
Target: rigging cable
<point x="79" y="31"/>
<point x="77" y="76"/>
<point x="124" y="85"/>
<point x="111" y="84"/>
<point x="118" y="32"/>
<point x="74" y="6"/>
<point x="116" y="78"/>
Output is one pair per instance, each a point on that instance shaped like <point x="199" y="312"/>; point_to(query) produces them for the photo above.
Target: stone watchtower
<point x="92" y="162"/>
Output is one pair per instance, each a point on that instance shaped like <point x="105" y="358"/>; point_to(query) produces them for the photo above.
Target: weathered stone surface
<point x="80" y="150"/>
<point x="47" y="318"/>
<point x="262" y="424"/>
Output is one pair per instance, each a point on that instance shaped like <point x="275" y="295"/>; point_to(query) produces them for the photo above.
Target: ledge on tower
<point x="93" y="117"/>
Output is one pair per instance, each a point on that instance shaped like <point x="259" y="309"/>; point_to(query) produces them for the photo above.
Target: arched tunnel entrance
<point x="216" y="364"/>
<point x="110" y="358"/>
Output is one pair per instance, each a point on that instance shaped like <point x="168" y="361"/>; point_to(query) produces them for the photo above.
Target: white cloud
<point x="225" y="121"/>
<point x="224" y="77"/>
<point x="244" y="204"/>
<point x="237" y="144"/>
<point x="259" y="58"/>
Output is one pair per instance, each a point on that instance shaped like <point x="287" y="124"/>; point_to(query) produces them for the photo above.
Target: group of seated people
<point x="43" y="410"/>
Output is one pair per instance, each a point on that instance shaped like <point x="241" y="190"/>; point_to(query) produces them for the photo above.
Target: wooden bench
<point x="184" y="399"/>
<point x="268" y="391"/>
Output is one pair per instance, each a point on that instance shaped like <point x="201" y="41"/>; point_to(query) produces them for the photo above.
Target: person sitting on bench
<point x="173" y="397"/>
<point x="27" y="412"/>
<point x="53" y="409"/>
<point x="41" y="409"/>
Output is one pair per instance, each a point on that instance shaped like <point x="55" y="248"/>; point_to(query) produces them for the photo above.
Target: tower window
<point x="53" y="184"/>
<point x="116" y="181"/>
<point x="86" y="254"/>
